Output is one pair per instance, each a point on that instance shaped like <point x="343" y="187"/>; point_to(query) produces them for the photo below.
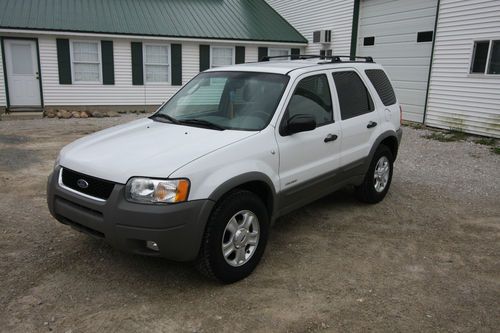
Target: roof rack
<point x="332" y="58"/>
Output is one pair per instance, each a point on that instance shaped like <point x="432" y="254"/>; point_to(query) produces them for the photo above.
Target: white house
<point x="126" y="54"/>
<point x="443" y="56"/>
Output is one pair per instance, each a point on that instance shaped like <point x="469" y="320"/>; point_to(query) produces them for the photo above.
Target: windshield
<point x="226" y="100"/>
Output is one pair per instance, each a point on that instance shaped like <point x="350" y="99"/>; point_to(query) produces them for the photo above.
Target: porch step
<point x="25" y="115"/>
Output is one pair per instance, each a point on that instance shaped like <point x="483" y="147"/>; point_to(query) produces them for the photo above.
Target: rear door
<point x="359" y="116"/>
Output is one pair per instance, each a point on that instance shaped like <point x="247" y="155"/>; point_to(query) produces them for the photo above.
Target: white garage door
<point x="398" y="34"/>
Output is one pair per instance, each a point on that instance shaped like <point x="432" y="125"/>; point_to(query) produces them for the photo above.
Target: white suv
<point x="205" y="176"/>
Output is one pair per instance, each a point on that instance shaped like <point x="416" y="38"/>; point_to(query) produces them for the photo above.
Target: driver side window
<point x="312" y="97"/>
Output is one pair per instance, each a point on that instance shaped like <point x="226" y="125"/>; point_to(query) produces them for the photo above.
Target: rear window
<point x="382" y="85"/>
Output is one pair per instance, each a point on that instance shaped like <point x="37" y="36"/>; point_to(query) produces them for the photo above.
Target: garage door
<point x="398" y="34"/>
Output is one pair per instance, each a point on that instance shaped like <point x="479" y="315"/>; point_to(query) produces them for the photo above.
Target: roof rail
<point x="332" y="58"/>
<point x="293" y="56"/>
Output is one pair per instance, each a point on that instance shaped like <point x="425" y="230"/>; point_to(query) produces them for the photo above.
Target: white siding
<point x="458" y="99"/>
<point x="406" y="61"/>
<point x="3" y="99"/>
<point x="122" y="92"/>
<point x="308" y="16"/>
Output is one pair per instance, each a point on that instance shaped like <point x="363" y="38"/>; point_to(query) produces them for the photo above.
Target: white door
<point x="398" y="34"/>
<point x="308" y="155"/>
<point x="359" y="116"/>
<point x="23" y="79"/>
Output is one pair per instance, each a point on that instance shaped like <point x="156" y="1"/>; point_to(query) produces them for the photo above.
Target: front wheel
<point x="378" y="178"/>
<point x="235" y="237"/>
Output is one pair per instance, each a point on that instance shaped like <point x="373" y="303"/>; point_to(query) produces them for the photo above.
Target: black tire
<point x="366" y="191"/>
<point x="211" y="261"/>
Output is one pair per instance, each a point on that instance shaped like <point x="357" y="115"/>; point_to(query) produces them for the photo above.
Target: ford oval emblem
<point x="82" y="183"/>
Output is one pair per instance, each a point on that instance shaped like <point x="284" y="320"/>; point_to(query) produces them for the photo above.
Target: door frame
<point x="4" y="64"/>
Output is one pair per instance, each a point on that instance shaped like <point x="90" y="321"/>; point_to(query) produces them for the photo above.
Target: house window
<point x="425" y="36"/>
<point x="486" y="57"/>
<point x="276" y="53"/>
<point x="86" y="61"/>
<point x="494" y="67"/>
<point x="156" y="63"/>
<point x="369" y="41"/>
<point x="222" y="56"/>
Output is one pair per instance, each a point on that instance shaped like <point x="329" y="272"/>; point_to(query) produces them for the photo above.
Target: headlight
<point x="146" y="190"/>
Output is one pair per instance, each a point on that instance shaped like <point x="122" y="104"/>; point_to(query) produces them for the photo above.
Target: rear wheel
<point x="378" y="178"/>
<point x="235" y="237"/>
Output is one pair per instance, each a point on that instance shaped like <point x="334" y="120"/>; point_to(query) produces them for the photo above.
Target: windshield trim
<point x="278" y="100"/>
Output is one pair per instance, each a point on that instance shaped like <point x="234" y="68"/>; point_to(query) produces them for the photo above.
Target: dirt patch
<point x="427" y="258"/>
<point x="16" y="158"/>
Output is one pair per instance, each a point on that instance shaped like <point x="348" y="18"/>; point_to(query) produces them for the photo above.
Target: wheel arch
<point x="255" y="182"/>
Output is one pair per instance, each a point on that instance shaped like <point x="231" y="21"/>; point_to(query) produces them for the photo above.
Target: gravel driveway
<point x="425" y="259"/>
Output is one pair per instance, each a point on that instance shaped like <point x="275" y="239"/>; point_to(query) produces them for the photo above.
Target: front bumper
<point x="177" y="228"/>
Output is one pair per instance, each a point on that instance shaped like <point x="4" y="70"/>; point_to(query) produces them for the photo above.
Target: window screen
<point x="156" y="63"/>
<point x="86" y="62"/>
<point x="312" y="97"/>
<point x="382" y="85"/>
<point x="222" y="56"/>
<point x="277" y="52"/>
<point x="480" y="57"/>
<point x="354" y="98"/>
<point x="369" y="41"/>
<point x="424" y="36"/>
<point x="494" y="67"/>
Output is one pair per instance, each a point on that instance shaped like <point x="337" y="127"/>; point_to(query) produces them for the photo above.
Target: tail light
<point x="400" y="115"/>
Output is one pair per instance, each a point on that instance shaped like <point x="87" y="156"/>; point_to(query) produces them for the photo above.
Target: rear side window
<point x="354" y="98"/>
<point x="312" y="97"/>
<point x="382" y="85"/>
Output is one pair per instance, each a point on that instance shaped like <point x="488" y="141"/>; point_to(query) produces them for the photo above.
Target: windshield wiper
<point x="165" y="116"/>
<point x="201" y="122"/>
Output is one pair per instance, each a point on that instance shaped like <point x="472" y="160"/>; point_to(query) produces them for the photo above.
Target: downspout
<point x="354" y="29"/>
<point x="432" y="60"/>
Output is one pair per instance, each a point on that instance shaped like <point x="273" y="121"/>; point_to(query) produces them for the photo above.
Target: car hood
<point x="143" y="148"/>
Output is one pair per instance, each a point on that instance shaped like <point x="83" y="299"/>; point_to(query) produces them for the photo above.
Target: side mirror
<point x="300" y="123"/>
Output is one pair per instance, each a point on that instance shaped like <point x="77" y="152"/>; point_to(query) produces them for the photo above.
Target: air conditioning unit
<point x="322" y="36"/>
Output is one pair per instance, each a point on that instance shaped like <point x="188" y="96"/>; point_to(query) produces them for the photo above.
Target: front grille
<point x="98" y="188"/>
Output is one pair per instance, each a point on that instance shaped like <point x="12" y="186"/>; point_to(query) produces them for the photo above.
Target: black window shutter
<point x="108" y="63"/>
<point x="295" y="53"/>
<point x="240" y="55"/>
<point x="262" y="53"/>
<point x="63" y="61"/>
<point x="137" y="70"/>
<point x="176" y="64"/>
<point x="204" y="57"/>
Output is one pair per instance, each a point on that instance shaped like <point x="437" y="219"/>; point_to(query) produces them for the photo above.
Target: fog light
<point x="152" y="246"/>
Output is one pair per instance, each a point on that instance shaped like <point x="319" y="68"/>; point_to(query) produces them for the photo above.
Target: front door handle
<point x="330" y="137"/>
<point x="371" y="124"/>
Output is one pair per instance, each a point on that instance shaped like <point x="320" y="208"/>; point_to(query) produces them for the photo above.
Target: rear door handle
<point x="371" y="124"/>
<point x="330" y="137"/>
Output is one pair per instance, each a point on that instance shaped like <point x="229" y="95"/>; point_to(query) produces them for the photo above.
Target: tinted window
<point x="382" y="85"/>
<point x="480" y="57"/>
<point x="354" y="98"/>
<point x="495" y="58"/>
<point x="312" y="96"/>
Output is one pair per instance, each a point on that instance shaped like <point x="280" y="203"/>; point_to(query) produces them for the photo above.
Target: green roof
<point x="217" y="19"/>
